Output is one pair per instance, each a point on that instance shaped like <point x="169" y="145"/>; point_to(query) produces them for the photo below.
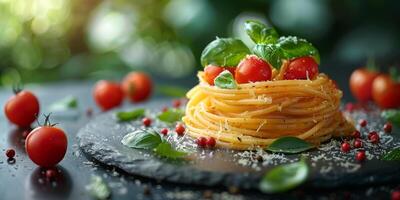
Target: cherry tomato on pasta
<point x="107" y="94"/>
<point x="211" y="72"/>
<point x="22" y="108"/>
<point x="361" y="84"/>
<point x="137" y="86"/>
<point x="46" y="145"/>
<point x="386" y="92"/>
<point x="253" y="69"/>
<point x="301" y="68"/>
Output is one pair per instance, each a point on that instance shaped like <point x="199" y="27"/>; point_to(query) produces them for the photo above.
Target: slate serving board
<point x="101" y="140"/>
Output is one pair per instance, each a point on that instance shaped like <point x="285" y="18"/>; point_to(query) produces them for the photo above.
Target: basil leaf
<point x="225" y="80"/>
<point x="289" y="145"/>
<point x="130" y="115"/>
<point x="392" y="155"/>
<point x="293" y="47"/>
<point x="69" y="102"/>
<point x="166" y="150"/>
<point x="172" y="91"/>
<point x="271" y="53"/>
<point x="171" y="115"/>
<point x="224" y="52"/>
<point x="392" y="115"/>
<point x="284" y="177"/>
<point x="98" y="188"/>
<point x="260" y="33"/>
<point x="142" y="139"/>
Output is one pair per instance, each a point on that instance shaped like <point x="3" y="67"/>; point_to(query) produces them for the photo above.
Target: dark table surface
<point x="24" y="180"/>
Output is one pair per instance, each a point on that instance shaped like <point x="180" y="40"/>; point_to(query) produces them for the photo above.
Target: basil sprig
<point x="392" y="115"/>
<point x="171" y="115"/>
<point x="151" y="140"/>
<point x="224" y="52"/>
<point x="284" y="177"/>
<point x="130" y="115"/>
<point x="225" y="80"/>
<point x="260" y="33"/>
<point x="165" y="149"/>
<point x="293" y="47"/>
<point x="142" y="139"/>
<point x="289" y="145"/>
<point x="392" y="155"/>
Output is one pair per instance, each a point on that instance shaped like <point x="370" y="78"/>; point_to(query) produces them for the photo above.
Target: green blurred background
<point x="55" y="40"/>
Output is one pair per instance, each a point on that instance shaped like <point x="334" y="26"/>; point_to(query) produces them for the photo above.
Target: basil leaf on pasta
<point x="271" y="53"/>
<point x="260" y="33"/>
<point x="284" y="177"/>
<point x="224" y="52"/>
<point x="225" y="80"/>
<point x="293" y="47"/>
<point x="289" y="145"/>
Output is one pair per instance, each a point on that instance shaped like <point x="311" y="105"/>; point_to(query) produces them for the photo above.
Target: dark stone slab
<point x="101" y="139"/>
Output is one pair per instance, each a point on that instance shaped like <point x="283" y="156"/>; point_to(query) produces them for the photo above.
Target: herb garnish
<point x="284" y="177"/>
<point x="98" y="188"/>
<point x="142" y="139"/>
<point x="392" y="155"/>
<point x="123" y="116"/>
<point x="225" y="80"/>
<point x="392" y="115"/>
<point x="69" y="102"/>
<point x="151" y="140"/>
<point x="171" y="115"/>
<point x="224" y="52"/>
<point x="289" y="145"/>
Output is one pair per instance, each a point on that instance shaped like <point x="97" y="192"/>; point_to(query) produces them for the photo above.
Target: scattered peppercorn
<point x="201" y="142"/>
<point x="374" y="139"/>
<point x="211" y="142"/>
<point x="370" y="134"/>
<point x="387" y="127"/>
<point x="146" y="190"/>
<point x="89" y="112"/>
<point x="349" y="107"/>
<point x="259" y="158"/>
<point x="356" y="134"/>
<point x="146" y="121"/>
<point x="357" y="143"/>
<point x="10" y="153"/>
<point x="180" y="129"/>
<point x="164" y="131"/>
<point x="164" y="109"/>
<point x="176" y="103"/>
<point x="51" y="174"/>
<point x="207" y="194"/>
<point x="360" y="156"/>
<point x="396" y="195"/>
<point x="362" y="122"/>
<point x="25" y="133"/>
<point x="345" y="147"/>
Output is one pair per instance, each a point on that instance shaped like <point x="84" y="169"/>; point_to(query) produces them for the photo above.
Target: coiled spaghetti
<point x="255" y="114"/>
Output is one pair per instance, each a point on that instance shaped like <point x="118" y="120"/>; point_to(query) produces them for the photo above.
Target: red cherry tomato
<point x="107" y="94"/>
<point x="301" y="68"/>
<point x="253" y="69"/>
<point x="22" y="108"/>
<point x="361" y="84"/>
<point x="46" y="145"/>
<point x="137" y="86"/>
<point x="211" y="72"/>
<point x="386" y="92"/>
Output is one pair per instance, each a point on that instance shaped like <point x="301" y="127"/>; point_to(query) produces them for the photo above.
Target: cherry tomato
<point x="253" y="69"/>
<point x="107" y="94"/>
<point x="211" y="72"/>
<point x="361" y="84"/>
<point x="137" y="86"/>
<point x="22" y="108"/>
<point x="301" y="68"/>
<point x="386" y="92"/>
<point x="46" y="145"/>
